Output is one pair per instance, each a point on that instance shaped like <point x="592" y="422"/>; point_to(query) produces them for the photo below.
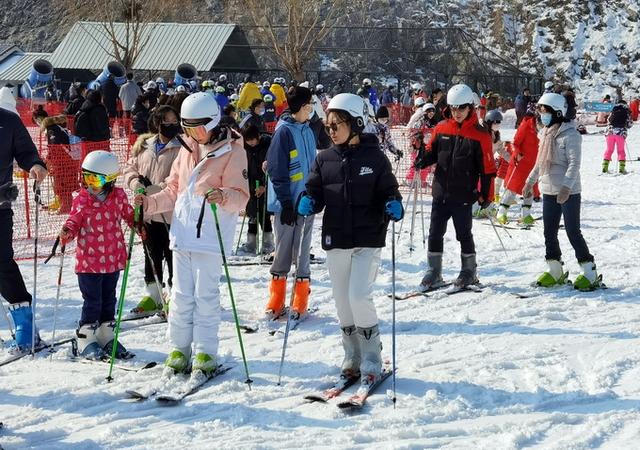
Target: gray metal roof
<point x="7" y="49"/>
<point x="19" y="71"/>
<point x="86" y="46"/>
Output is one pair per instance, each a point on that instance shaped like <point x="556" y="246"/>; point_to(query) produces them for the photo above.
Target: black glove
<point x="288" y="216"/>
<point x="484" y="204"/>
<point x="417" y="164"/>
<point x="8" y="192"/>
<point x="146" y="182"/>
<point x="399" y="154"/>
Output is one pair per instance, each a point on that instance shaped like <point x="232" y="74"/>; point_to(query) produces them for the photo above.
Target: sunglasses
<point x="97" y="180"/>
<point x="333" y="127"/>
<point x="459" y="107"/>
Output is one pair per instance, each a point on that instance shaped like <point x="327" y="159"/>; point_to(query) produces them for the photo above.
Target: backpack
<point x="619" y="116"/>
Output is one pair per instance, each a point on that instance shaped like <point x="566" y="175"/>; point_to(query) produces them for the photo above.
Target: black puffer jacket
<point x="353" y="184"/>
<point x="92" y="122"/>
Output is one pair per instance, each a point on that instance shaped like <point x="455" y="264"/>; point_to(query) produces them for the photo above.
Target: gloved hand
<point x="306" y="206"/>
<point x="141" y="230"/>
<point x="527" y="190"/>
<point x="399" y="154"/>
<point x="394" y="209"/>
<point x="288" y="216"/>
<point x="65" y="236"/>
<point x="563" y="195"/>
<point x="484" y="204"/>
<point x="144" y="181"/>
<point x="8" y="192"/>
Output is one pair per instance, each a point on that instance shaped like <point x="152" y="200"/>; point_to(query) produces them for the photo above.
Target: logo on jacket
<point x="364" y="170"/>
<point x="245" y="174"/>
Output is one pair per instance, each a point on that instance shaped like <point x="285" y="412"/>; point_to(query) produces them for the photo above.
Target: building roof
<point x="19" y="71"/>
<point x="7" y="49"/>
<point x="87" y="46"/>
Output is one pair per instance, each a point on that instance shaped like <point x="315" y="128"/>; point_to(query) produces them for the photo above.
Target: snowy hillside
<point x="475" y="370"/>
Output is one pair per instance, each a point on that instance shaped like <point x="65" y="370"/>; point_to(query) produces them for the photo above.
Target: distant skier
<point x="354" y="228"/>
<point x="616" y="135"/>
<point x="558" y="168"/>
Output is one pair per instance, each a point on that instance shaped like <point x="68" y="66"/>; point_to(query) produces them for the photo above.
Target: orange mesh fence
<point x="403" y="168"/>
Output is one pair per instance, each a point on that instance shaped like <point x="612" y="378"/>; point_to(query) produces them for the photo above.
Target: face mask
<point x="545" y="118"/>
<point x="311" y="112"/>
<point x="169" y="130"/>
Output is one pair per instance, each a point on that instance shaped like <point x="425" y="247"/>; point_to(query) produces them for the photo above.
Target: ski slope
<point x="475" y="370"/>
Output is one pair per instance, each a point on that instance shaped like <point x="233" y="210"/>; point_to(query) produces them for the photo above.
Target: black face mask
<point x="169" y="130"/>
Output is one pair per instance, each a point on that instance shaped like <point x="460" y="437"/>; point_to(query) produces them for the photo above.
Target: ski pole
<point x="265" y="217"/>
<point x="241" y="228"/>
<point x="37" y="193"/>
<point x="493" y="225"/>
<point x="414" y="210"/>
<point x="424" y="235"/>
<point x="147" y="254"/>
<point x="406" y="208"/>
<point x="393" y="311"/>
<point x="294" y="256"/>
<point x="55" y="309"/>
<point x="258" y="228"/>
<point x="233" y="303"/>
<point x="123" y="288"/>
<point x="6" y="316"/>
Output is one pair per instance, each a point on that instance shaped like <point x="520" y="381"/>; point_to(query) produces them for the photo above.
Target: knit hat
<point x="297" y="97"/>
<point x="7" y="100"/>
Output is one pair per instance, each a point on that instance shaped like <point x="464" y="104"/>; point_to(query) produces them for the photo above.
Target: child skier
<point x="525" y="151"/>
<point x="209" y="170"/>
<point x="354" y="183"/>
<point x="256" y="146"/>
<point x="619" y="122"/>
<point x="492" y="121"/>
<point x="558" y="168"/>
<point x="101" y="253"/>
<point x="150" y="164"/>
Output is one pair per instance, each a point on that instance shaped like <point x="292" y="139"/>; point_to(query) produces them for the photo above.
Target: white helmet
<point x="150" y="85"/>
<point x="428" y="106"/>
<point x="198" y="106"/>
<point x="160" y="80"/>
<point x="548" y="85"/>
<point x="266" y="84"/>
<point x="304" y="84"/>
<point x="355" y="106"/>
<point x="416" y="86"/>
<point x="366" y="82"/>
<point x="268" y="98"/>
<point x="101" y="162"/>
<point x="220" y="89"/>
<point x="234" y="97"/>
<point x="319" y="87"/>
<point x="181" y="88"/>
<point x="419" y="101"/>
<point x="460" y="94"/>
<point x="222" y="78"/>
<point x="476" y="99"/>
<point x="554" y="101"/>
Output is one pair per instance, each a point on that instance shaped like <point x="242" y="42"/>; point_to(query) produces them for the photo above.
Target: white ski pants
<point x="194" y="312"/>
<point x="353" y="272"/>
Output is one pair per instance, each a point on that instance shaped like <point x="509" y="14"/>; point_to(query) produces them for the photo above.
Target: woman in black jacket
<point x="92" y="121"/>
<point x="354" y="183"/>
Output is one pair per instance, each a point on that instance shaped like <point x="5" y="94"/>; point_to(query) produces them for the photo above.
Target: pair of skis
<point x="448" y="288"/>
<point x="172" y="390"/>
<point x="358" y="399"/>
<point x="19" y="354"/>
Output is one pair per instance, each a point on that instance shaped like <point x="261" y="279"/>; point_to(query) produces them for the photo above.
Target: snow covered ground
<point x="475" y="370"/>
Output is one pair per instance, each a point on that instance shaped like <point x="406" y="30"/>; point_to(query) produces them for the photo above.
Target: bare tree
<point x="290" y="28"/>
<point x="126" y="24"/>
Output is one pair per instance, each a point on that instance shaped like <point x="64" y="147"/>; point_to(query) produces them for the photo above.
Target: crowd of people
<point x="210" y="144"/>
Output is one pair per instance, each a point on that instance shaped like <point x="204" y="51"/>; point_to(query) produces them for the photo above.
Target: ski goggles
<point x="97" y="180"/>
<point x="459" y="107"/>
<point x="198" y="131"/>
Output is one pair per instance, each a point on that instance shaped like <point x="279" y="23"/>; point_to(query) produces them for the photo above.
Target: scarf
<point x="545" y="150"/>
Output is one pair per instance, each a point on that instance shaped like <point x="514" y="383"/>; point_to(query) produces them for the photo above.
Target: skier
<point x="354" y="228"/>
<point x="280" y="99"/>
<point x="548" y="87"/>
<point x="455" y="186"/>
<point x="265" y="89"/>
<point x="372" y="95"/>
<point x="221" y="96"/>
<point x="384" y="135"/>
<point x="558" y="168"/>
<point x="387" y="96"/>
<point x="521" y="103"/>
<point x="418" y="112"/>
<point x="616" y="135"/>
<point x="255" y="116"/>
<point x="249" y="92"/>
<point x="15" y="143"/>
<point x="256" y="146"/>
<point x="289" y="159"/>
<point x="438" y="99"/>
<point x="100" y="252"/>
<point x="523" y="158"/>
<point x="492" y="121"/>
<point x="269" y="110"/>
<point x="128" y="94"/>
<point x="209" y="170"/>
<point x="92" y="121"/>
<point x="149" y="166"/>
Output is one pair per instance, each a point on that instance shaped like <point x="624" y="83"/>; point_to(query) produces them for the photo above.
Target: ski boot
<point x="177" y="361"/>
<point x="267" y="243"/>
<point x="88" y="346"/>
<point x="277" y="292"/>
<point x="249" y="247"/>
<point x="105" y="337"/>
<point x="22" y="316"/>
<point x="433" y="278"/>
<point x="622" y="167"/>
<point x="605" y="166"/>
<point x="589" y="279"/>
<point x="301" y="292"/>
<point x="502" y="214"/>
<point x="527" y="219"/>
<point x="204" y="363"/>
<point x="150" y="303"/>
<point x="352" y="358"/>
<point x="467" y="274"/>
<point x="371" y="348"/>
<point x="554" y="276"/>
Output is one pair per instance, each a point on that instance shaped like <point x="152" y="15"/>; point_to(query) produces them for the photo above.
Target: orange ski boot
<point x="277" y="293"/>
<point x="301" y="293"/>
